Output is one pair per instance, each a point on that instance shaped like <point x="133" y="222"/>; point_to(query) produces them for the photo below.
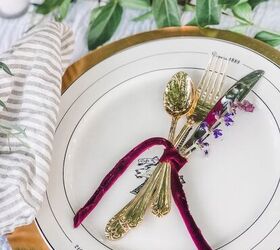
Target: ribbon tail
<point x="182" y="205"/>
<point x="114" y="174"/>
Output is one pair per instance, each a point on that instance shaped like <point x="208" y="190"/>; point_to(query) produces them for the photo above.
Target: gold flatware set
<point x="180" y="98"/>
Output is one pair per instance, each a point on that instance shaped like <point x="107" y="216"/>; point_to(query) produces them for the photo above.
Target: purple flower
<point x="217" y="133"/>
<point x="228" y="119"/>
<point x="204" y="125"/>
<point x="203" y="146"/>
<point x="245" y="106"/>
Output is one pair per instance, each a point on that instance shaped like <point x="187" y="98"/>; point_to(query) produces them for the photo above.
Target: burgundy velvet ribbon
<point x="176" y="161"/>
<point x="182" y="205"/>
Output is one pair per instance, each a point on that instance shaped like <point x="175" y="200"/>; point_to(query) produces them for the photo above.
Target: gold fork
<point x="208" y="93"/>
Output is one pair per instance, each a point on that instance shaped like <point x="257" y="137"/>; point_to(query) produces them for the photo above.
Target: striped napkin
<point x="32" y="97"/>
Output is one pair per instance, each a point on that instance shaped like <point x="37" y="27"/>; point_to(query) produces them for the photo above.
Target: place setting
<point x="206" y="183"/>
<point x="139" y="125"/>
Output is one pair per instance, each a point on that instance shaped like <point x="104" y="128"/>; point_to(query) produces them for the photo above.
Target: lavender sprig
<point x="227" y="119"/>
<point x="217" y="132"/>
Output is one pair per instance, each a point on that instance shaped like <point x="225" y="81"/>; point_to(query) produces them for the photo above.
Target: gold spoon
<point x="178" y="100"/>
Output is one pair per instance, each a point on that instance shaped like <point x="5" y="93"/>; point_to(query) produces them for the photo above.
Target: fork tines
<point x="211" y="84"/>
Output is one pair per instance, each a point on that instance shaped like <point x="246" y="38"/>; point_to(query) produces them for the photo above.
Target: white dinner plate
<point x="233" y="193"/>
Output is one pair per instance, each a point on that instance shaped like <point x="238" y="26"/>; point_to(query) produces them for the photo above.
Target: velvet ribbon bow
<point x="177" y="161"/>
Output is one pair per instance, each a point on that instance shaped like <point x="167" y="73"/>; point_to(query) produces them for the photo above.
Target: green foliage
<point x="63" y="10"/>
<point x="189" y="7"/>
<point x="135" y="4"/>
<point x="207" y="12"/>
<point x="254" y="3"/>
<point x="240" y="28"/>
<point x="104" y="25"/>
<point x="270" y="38"/>
<point x="243" y="12"/>
<point x="8" y="129"/>
<point x="48" y="5"/>
<point x="105" y="19"/>
<point x="228" y="3"/>
<point x="5" y="68"/>
<point x="192" y="22"/>
<point x="166" y="13"/>
<point x="144" y="17"/>
<point x="94" y="14"/>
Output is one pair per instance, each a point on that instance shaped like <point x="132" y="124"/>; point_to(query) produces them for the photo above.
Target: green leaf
<point x="166" y="13"/>
<point x="240" y="28"/>
<point x="243" y="12"/>
<point x="63" y="10"/>
<point x="207" y="12"/>
<point x="189" y="7"/>
<point x="242" y="1"/>
<point x="2" y="104"/>
<point x="270" y="38"/>
<point x="104" y="25"/>
<point x="254" y="3"/>
<point x="143" y="17"/>
<point x="192" y="22"/>
<point x="135" y="4"/>
<point x="5" y="68"/>
<point x="94" y="13"/>
<point x="227" y="3"/>
<point x="48" y="5"/>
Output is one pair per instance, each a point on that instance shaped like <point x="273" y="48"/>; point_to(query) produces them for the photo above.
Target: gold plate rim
<point x="94" y="57"/>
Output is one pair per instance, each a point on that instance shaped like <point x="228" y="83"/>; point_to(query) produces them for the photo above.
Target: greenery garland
<point x="9" y="130"/>
<point x="105" y="19"/>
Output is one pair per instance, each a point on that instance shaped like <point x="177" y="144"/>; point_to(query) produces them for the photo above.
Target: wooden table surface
<point x="27" y="238"/>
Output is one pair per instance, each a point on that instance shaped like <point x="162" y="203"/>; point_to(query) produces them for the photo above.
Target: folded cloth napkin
<point x="32" y="97"/>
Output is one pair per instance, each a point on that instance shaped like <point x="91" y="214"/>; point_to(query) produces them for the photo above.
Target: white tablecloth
<point x="266" y="15"/>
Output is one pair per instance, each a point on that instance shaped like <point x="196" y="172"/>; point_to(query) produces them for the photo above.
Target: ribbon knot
<point x="172" y="155"/>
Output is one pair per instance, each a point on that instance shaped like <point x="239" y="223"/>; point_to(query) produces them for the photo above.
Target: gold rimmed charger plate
<point x="28" y="237"/>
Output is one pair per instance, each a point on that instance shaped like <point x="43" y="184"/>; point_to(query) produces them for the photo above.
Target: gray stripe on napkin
<point x="32" y="97"/>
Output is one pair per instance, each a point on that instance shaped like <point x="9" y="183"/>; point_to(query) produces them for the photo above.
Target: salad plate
<point x="115" y="102"/>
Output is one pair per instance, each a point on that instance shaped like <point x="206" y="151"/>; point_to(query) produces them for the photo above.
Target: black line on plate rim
<point x="163" y="53"/>
<point x="73" y="131"/>
<point x="115" y="69"/>
<point x="275" y="189"/>
<point x="42" y="232"/>
<point x="265" y="236"/>
<point x="263" y="77"/>
<point x="56" y="218"/>
<point x="38" y="224"/>
<point x="63" y="172"/>
<point x="273" y="194"/>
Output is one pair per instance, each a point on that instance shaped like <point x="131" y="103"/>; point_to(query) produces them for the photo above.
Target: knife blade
<point x="236" y="93"/>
